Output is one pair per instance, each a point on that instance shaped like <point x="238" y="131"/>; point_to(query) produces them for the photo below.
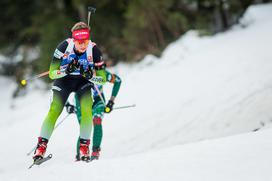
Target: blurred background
<point x="125" y="30"/>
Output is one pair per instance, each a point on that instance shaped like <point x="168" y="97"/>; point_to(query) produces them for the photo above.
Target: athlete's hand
<point x="109" y="107"/>
<point x="88" y="73"/>
<point x="70" y="108"/>
<point x="72" y="66"/>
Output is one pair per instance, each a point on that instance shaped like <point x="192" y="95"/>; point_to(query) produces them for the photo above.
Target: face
<point x="81" y="46"/>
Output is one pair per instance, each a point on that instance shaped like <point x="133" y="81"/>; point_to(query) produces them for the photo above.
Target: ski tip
<point x="30" y="166"/>
<point x="40" y="160"/>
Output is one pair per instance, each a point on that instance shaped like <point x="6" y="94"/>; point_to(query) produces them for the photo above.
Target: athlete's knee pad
<point x="97" y="120"/>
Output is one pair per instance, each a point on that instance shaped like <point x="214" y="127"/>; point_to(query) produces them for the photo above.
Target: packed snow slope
<point x="200" y="88"/>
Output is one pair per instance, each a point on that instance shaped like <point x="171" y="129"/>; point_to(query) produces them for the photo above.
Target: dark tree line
<point x="125" y="30"/>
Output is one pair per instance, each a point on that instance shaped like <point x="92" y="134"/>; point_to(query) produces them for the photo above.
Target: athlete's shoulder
<point x="96" y="50"/>
<point x="97" y="54"/>
<point x="93" y="44"/>
<point x="61" y="48"/>
<point x="63" y="45"/>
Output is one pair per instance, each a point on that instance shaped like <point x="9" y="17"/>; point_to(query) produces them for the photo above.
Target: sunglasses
<point x="85" y="42"/>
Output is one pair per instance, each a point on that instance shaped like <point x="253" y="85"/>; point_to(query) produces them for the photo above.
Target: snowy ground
<point x="209" y="89"/>
<point x="245" y="157"/>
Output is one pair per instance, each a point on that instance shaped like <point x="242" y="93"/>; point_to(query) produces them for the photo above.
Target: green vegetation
<point x="125" y="30"/>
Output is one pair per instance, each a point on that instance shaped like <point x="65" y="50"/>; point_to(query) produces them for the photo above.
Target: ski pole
<point x="90" y="11"/>
<point x="122" y="107"/>
<point x="100" y="95"/>
<point x="24" y="81"/>
<point x="54" y="129"/>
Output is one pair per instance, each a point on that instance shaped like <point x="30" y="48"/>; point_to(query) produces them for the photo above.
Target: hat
<point x="81" y="34"/>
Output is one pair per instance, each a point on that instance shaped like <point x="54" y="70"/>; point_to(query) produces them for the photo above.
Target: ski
<point x="86" y="159"/>
<point x="40" y="161"/>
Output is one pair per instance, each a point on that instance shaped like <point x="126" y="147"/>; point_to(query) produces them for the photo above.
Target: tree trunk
<point x="223" y="14"/>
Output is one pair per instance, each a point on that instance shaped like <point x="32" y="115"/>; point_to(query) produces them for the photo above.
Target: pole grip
<point x="91" y="9"/>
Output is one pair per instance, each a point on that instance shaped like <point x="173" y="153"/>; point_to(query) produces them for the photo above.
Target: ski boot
<point x="96" y="153"/>
<point x="40" y="149"/>
<point x="77" y="158"/>
<point x="84" y="153"/>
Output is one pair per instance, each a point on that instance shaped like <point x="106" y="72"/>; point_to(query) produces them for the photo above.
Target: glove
<point x="88" y="74"/>
<point x="70" y="108"/>
<point x="109" y="107"/>
<point x="72" y="66"/>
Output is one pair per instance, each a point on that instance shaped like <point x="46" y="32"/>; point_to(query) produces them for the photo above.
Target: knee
<point x="97" y="121"/>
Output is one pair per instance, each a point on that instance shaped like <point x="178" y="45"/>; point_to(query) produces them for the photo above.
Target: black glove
<point x="109" y="107"/>
<point x="72" y="66"/>
<point x="70" y="108"/>
<point x="88" y="74"/>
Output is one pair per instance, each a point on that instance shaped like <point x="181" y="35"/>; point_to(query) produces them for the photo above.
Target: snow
<point x="196" y="108"/>
<point x="236" y="158"/>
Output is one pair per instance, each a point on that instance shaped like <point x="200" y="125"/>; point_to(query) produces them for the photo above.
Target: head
<point x="81" y="36"/>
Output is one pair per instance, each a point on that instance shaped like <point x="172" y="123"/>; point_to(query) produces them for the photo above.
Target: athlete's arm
<point x="116" y="81"/>
<point x="54" y="70"/>
<point x="99" y="64"/>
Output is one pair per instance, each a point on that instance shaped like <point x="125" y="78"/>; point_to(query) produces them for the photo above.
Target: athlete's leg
<point x="86" y="102"/>
<point x="60" y="96"/>
<point x="78" y="114"/>
<point x="98" y="113"/>
<point x="78" y="110"/>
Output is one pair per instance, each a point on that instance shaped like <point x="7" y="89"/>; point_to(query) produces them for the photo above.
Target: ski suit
<point x="98" y="108"/>
<point x="65" y="84"/>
